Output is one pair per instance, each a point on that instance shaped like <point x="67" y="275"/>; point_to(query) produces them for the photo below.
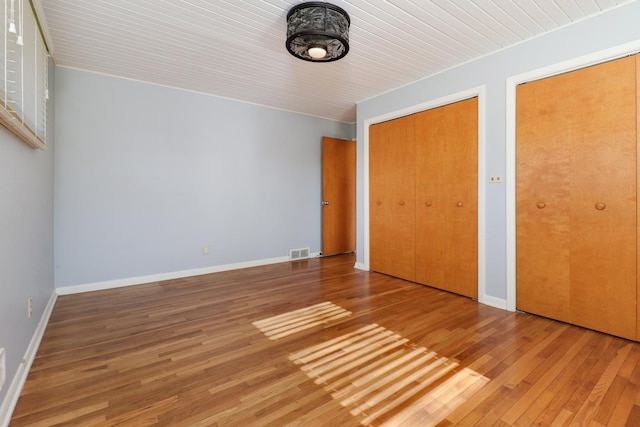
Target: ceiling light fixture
<point x="318" y="31"/>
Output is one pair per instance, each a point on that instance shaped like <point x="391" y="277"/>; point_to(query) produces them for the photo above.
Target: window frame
<point x="24" y="57"/>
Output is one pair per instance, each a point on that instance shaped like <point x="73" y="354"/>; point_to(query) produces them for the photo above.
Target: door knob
<point x="324" y="203"/>
<point x="600" y="206"/>
<point x="541" y="205"/>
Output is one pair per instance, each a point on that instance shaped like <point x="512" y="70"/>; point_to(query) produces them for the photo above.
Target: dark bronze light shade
<point x="318" y="31"/>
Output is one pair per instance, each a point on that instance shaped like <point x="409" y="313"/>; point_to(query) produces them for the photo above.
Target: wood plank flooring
<point x="318" y="343"/>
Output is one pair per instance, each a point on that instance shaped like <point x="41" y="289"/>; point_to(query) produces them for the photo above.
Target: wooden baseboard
<point x="360" y="266"/>
<point x="131" y="281"/>
<point x="493" y="302"/>
<point x="15" y="388"/>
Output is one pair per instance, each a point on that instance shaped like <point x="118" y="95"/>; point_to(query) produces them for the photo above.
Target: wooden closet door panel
<point x="637" y="57"/>
<point x="542" y="194"/>
<point x="576" y="148"/>
<point x="462" y="169"/>
<point x="603" y="148"/>
<point x="431" y="184"/>
<point x="447" y="206"/>
<point x="392" y="197"/>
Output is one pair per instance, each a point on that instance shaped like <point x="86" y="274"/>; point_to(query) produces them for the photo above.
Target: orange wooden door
<point x="637" y="57"/>
<point x="338" y="196"/>
<point x="447" y="197"/>
<point x="392" y="198"/>
<point x="543" y="189"/>
<point x="576" y="197"/>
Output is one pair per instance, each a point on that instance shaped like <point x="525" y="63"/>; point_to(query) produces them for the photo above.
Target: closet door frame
<point x="511" y="85"/>
<point x="478" y="92"/>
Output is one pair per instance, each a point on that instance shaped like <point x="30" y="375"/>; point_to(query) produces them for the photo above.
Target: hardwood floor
<point x="318" y="343"/>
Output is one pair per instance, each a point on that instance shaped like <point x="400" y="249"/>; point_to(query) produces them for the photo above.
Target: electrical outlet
<point x="3" y="368"/>
<point x="29" y="307"/>
<point x="494" y="179"/>
<point x="205" y="250"/>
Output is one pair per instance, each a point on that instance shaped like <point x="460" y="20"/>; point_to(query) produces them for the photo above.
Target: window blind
<point x="23" y="73"/>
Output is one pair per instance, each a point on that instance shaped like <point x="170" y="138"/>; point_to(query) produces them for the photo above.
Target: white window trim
<point x="16" y="119"/>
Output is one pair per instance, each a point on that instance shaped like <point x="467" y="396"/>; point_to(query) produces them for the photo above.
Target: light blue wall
<point x="26" y="241"/>
<point x="145" y="176"/>
<point x="619" y="26"/>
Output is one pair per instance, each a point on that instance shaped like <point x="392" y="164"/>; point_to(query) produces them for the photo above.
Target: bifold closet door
<point x="447" y="197"/>
<point x="576" y="197"/>
<point x="392" y="198"/>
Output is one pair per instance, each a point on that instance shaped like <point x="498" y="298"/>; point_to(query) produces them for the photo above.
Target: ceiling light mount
<point x="318" y="31"/>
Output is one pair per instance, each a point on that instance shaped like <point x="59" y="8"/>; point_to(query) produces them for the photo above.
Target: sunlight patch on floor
<point x="386" y="380"/>
<point x="286" y="324"/>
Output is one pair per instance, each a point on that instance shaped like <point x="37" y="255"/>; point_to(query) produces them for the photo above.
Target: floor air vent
<point x="301" y="253"/>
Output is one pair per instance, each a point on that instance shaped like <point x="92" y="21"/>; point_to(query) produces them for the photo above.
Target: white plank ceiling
<point x="235" y="49"/>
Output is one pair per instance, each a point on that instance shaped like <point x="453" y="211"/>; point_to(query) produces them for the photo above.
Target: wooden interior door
<point x="637" y="57"/>
<point x="543" y="189"/>
<point x="392" y="198"/>
<point x="338" y="196"/>
<point x="603" y="245"/>
<point x="447" y="197"/>
<point x="576" y="197"/>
